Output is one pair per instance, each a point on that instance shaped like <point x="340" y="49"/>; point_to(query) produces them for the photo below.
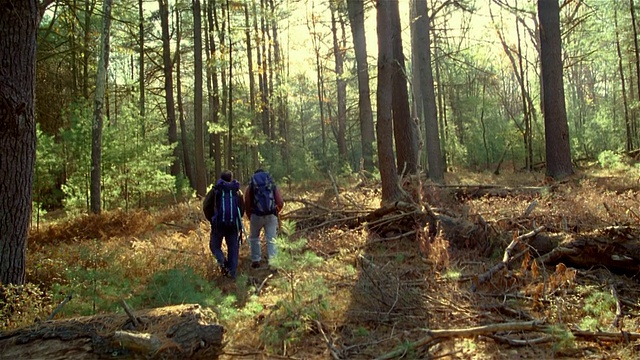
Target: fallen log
<point x="615" y="247"/>
<point x="176" y="332"/>
<point x="478" y="191"/>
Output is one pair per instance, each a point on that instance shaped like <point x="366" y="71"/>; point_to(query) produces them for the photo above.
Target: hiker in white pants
<point x="263" y="201"/>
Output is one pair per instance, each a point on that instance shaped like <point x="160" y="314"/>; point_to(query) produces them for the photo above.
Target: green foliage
<point x="133" y="163"/>
<point x="609" y="159"/>
<point x="77" y="156"/>
<point x="95" y="287"/>
<point x="182" y="286"/>
<point x="600" y="308"/>
<point x="564" y="337"/>
<point x="48" y="169"/>
<point x="305" y="295"/>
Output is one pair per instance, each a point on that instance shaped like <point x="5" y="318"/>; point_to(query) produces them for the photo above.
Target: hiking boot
<point x="255" y="264"/>
<point x="224" y="271"/>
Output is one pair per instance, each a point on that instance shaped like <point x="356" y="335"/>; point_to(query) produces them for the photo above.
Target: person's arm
<point x="278" y="198"/>
<point x="209" y="205"/>
<point x="247" y="201"/>
<point x="241" y="204"/>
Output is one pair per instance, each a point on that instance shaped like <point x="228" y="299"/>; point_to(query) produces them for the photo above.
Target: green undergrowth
<point x="170" y="269"/>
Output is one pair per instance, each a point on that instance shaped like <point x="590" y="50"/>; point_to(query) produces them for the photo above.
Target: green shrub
<point x="181" y="286"/>
<point x="611" y="160"/>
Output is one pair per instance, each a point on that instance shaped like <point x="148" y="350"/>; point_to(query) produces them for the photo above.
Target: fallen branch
<point x="507" y="257"/>
<point x="606" y="336"/>
<point x="264" y="282"/>
<point x="60" y="306"/>
<point x="465" y="333"/>
<point x="619" y="313"/>
<point x="129" y="312"/>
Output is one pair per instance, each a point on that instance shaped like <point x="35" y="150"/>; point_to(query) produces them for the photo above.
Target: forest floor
<point x="389" y="290"/>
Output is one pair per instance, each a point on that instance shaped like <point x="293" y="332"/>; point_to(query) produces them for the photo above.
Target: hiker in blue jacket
<point x="223" y="206"/>
<point x="263" y="202"/>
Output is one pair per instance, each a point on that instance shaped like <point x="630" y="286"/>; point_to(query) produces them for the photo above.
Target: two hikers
<point x="223" y="206"/>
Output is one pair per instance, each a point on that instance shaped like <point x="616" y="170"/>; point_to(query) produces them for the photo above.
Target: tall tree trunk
<point x="263" y="83"/>
<point x="319" y="81"/>
<point x="96" y="130"/>
<point x="384" y="96"/>
<point x="209" y="69"/>
<point x="627" y="119"/>
<point x="215" y="148"/>
<point x="167" y="64"/>
<point x="221" y="28"/>
<point x="230" y="164"/>
<point x="528" y="134"/>
<point x="184" y="141"/>
<point x="141" y="72"/>
<point x="18" y="28"/>
<point x="252" y="89"/>
<point x="558" y="151"/>
<point x="73" y="13"/>
<point x="278" y="62"/>
<point x="404" y="128"/>
<point x="88" y="10"/>
<point x="341" y="89"/>
<point x="442" y="114"/>
<point x="201" y="177"/>
<point x="270" y="71"/>
<point x="428" y="100"/>
<point x="367" y="134"/>
<point x="636" y="47"/>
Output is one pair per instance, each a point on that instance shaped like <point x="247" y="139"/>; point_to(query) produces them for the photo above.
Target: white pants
<point x="270" y="225"/>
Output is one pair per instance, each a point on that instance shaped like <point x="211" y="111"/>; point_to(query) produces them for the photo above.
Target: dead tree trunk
<point x="176" y="332"/>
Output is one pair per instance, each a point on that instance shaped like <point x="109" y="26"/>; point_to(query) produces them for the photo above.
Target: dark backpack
<point x="227" y="203"/>
<point x="263" y="188"/>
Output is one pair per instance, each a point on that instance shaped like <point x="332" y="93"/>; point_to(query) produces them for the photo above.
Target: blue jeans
<point x="230" y="234"/>
<point x="270" y="225"/>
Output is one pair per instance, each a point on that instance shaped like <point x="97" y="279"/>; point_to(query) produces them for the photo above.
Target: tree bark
<point x="201" y="177"/>
<point x="341" y="90"/>
<point x="315" y="36"/>
<point x="427" y="102"/>
<point x="141" y="73"/>
<point x="88" y="11"/>
<point x="558" y="151"/>
<point x="625" y="105"/>
<point x="96" y="130"/>
<point x="404" y="128"/>
<point x="18" y="29"/>
<point x="255" y="163"/>
<point x="188" y="170"/>
<point x="167" y="64"/>
<point x="384" y="126"/>
<point x="367" y="134"/>
<point x="215" y="148"/>
<point x="229" y="162"/>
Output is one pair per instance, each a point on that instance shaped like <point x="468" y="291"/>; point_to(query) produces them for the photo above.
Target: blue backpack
<point x="263" y="188"/>
<point x="227" y="203"/>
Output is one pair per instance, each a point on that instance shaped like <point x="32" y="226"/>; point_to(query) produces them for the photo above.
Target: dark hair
<point x="259" y="170"/>
<point x="226" y="175"/>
